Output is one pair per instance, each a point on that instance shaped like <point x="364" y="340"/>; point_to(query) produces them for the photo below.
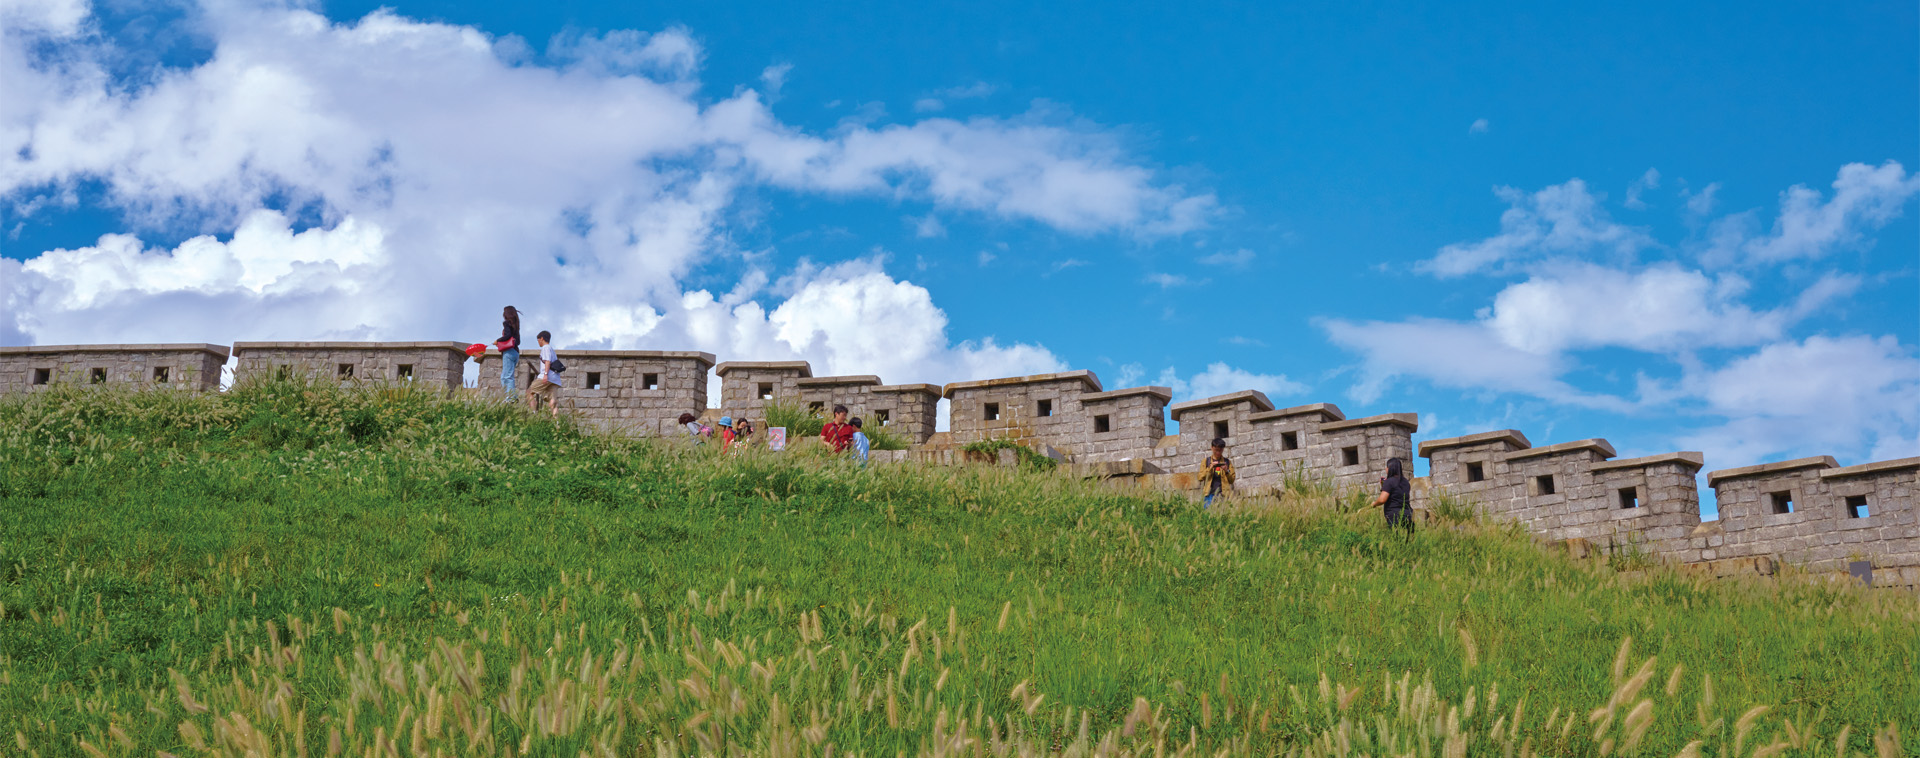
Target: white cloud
<point x="1701" y="203"/>
<point x="985" y="258"/>
<point x="54" y="18"/>
<point x="928" y="105"/>
<point x="1168" y="281"/>
<point x="1479" y="126"/>
<point x="439" y="175"/>
<point x="1218" y="379"/>
<point x="1459" y="355"/>
<point x="968" y="91"/>
<point x="928" y="226"/>
<point x="1561" y="220"/>
<point x="1857" y="396"/>
<point x="1236" y="258"/>
<point x="1663" y="308"/>
<point x="774" y="78"/>
<point x="1647" y="181"/>
<point x="1864" y="198"/>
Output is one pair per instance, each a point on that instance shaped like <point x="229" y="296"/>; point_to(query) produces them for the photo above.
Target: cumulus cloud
<point x="1561" y="220"/>
<point x="1661" y="309"/>
<point x="395" y="179"/>
<point x="1760" y="389"/>
<point x="1855" y="395"/>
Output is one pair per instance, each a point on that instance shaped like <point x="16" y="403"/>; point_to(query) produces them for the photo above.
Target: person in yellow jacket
<point x="1216" y="473"/>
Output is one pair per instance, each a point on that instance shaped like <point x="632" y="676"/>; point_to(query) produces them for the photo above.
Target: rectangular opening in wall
<point x="1857" y="506"/>
<point x="403" y="372"/>
<point x="1350" y="456"/>
<point x="42" y="375"/>
<point x="161" y="374"/>
<point x="1044" y="408"/>
<point x="283" y="372"/>
<point x="593" y="380"/>
<point x="649" y="381"/>
<point x="1221" y="430"/>
<point x="1102" y="424"/>
<point x="883" y="416"/>
<point x="766" y="390"/>
<point x="817" y="408"/>
<point x="98" y="376"/>
<point x="1630" y="497"/>
<point x="991" y="412"/>
<point x="343" y="370"/>
<point x="1289" y="440"/>
<point x="1476" y="472"/>
<point x="1543" y="485"/>
<point x="1781" y="502"/>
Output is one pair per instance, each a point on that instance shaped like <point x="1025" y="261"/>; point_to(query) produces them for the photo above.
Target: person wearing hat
<point x="726" y="433"/>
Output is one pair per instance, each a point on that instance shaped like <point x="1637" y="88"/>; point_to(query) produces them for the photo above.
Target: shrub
<point x="1029" y="460"/>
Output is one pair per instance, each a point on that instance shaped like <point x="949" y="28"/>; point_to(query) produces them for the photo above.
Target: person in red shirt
<point x="838" y="433"/>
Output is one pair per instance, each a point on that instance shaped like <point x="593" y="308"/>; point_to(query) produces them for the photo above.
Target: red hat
<point x="476" y="350"/>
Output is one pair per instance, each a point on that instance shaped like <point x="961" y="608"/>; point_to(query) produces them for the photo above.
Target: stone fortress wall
<point x="178" y="366"/>
<point x="1809" y="512"/>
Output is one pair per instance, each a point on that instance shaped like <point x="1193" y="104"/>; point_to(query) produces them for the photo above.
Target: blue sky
<point x="1674" y="227"/>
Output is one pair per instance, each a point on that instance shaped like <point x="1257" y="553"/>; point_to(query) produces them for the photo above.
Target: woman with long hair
<point x="509" y="344"/>
<point x="1396" y="494"/>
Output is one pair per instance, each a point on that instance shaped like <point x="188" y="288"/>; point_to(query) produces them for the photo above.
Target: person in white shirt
<point x="548" y="382"/>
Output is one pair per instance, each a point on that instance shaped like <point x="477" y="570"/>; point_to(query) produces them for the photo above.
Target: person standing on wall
<point x="548" y="383"/>
<point x="838" y="434"/>
<point x="509" y="346"/>
<point x="1396" y="495"/>
<point x="1216" y="473"/>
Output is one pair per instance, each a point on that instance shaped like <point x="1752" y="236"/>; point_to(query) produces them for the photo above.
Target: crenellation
<point x="184" y="366"/>
<point x="427" y="364"/>
<point x="636" y="391"/>
<point x="1808" y="511"/>
<point x="1354" y="452"/>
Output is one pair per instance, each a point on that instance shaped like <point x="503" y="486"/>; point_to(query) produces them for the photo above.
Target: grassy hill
<point x="305" y="570"/>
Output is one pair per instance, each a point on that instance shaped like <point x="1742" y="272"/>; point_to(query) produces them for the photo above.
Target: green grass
<point x="288" y="568"/>
<point x="800" y="421"/>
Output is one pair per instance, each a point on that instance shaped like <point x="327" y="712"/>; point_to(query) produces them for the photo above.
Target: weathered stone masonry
<point x="180" y="366"/>
<point x="904" y="409"/>
<point x="1811" y="512"/>
<point x="641" y="391"/>
<point x="1069" y="412"/>
<point x="431" y="364"/>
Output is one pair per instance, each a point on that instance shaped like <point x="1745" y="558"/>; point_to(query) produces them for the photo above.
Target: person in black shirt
<point x="509" y="346"/>
<point x="1395" y="494"/>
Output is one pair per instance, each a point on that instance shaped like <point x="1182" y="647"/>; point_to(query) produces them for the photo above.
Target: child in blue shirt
<point x="860" y="442"/>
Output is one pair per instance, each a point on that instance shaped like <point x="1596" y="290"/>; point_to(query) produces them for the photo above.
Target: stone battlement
<point x="1811" y="511"/>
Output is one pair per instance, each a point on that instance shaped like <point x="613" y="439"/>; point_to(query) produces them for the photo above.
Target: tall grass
<point x="799" y="420"/>
<point x="308" y="570"/>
